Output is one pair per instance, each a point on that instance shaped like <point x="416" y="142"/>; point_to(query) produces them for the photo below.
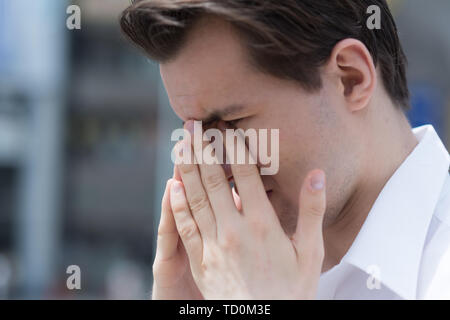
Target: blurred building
<point x="79" y="158"/>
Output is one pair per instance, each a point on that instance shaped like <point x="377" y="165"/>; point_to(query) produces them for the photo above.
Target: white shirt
<point x="403" y="248"/>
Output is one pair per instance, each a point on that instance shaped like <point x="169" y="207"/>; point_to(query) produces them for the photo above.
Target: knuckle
<point x="178" y="207"/>
<point x="164" y="230"/>
<point x="244" y="170"/>
<point x="215" y="181"/>
<point x="186" y="168"/>
<point x="161" y="231"/>
<point x="316" y="211"/>
<point x="259" y="228"/>
<point x="230" y="240"/>
<point x="198" y="202"/>
<point x="212" y="261"/>
<point x="188" y="231"/>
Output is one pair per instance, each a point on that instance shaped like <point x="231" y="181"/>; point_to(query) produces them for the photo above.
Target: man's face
<point x="211" y="73"/>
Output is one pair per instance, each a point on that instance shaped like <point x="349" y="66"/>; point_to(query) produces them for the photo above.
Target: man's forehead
<point x="208" y="73"/>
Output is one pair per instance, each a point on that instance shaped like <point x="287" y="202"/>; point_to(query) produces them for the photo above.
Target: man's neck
<point x="391" y="144"/>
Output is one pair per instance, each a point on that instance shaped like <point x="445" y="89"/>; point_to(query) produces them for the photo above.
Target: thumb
<point x="308" y="239"/>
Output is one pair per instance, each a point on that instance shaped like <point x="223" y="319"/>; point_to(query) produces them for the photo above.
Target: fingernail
<point x="176" y="187"/>
<point x="317" y="181"/>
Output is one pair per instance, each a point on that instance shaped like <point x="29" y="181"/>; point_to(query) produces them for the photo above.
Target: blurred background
<point x="85" y="142"/>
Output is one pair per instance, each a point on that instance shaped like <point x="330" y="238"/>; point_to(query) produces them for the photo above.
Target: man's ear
<point x="353" y="64"/>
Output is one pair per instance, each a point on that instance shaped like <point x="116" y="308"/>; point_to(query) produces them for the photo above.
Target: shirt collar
<point x="393" y="235"/>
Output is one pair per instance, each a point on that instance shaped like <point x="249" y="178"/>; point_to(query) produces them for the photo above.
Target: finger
<point x="166" y="246"/>
<point x="185" y="223"/>
<point x="246" y="175"/>
<point x="196" y="196"/>
<point x="213" y="176"/>
<point x="308" y="238"/>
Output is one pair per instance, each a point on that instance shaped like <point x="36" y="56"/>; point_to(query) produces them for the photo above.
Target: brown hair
<point x="289" y="39"/>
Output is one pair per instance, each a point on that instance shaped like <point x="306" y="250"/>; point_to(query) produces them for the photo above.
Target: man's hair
<point x="289" y="39"/>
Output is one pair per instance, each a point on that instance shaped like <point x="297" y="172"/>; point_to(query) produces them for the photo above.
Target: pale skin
<point x="275" y="246"/>
<point x="229" y="249"/>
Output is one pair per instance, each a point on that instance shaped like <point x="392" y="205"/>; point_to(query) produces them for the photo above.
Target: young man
<point x="378" y="228"/>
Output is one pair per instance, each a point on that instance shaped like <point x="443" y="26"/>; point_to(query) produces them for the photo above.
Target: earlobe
<point x="356" y="71"/>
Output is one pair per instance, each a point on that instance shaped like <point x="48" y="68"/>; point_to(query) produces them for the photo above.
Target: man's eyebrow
<point x="221" y="114"/>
